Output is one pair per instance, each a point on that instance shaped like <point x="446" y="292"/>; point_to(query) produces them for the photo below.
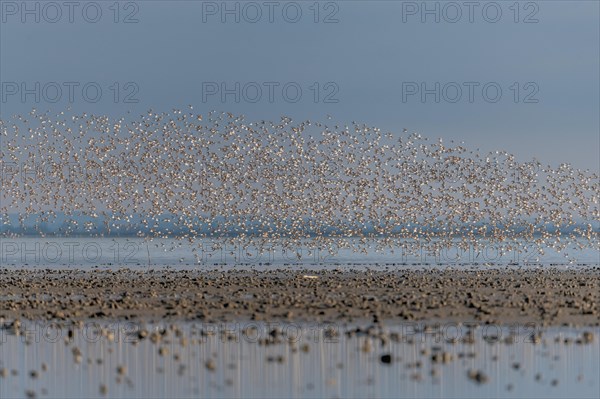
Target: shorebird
<point x="182" y="174"/>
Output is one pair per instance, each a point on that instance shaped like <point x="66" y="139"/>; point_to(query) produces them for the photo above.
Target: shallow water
<point x="57" y="252"/>
<point x="315" y="360"/>
<point x="241" y="365"/>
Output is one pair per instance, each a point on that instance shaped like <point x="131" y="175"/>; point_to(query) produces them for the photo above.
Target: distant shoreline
<point x="546" y="297"/>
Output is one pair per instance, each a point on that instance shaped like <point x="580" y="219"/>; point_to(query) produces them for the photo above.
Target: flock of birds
<point x="179" y="174"/>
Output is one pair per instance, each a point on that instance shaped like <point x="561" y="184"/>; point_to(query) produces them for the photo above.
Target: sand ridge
<point x="542" y="296"/>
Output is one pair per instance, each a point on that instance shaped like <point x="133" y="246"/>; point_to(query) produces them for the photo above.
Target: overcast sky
<point x="360" y="60"/>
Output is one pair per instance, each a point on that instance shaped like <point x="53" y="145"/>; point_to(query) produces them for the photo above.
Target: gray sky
<point x="371" y="61"/>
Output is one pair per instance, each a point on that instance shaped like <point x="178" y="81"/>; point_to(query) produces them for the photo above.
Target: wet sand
<point x="547" y="297"/>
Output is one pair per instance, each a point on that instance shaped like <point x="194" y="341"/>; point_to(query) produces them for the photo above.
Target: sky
<point x="517" y="76"/>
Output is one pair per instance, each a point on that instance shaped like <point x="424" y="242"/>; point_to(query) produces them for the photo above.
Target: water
<point x="321" y="360"/>
<point x="313" y="361"/>
<point x="57" y="252"/>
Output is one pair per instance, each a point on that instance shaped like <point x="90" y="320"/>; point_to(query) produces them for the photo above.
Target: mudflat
<point x="545" y="296"/>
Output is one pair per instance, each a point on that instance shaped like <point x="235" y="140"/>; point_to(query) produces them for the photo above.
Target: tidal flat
<point x="510" y="332"/>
